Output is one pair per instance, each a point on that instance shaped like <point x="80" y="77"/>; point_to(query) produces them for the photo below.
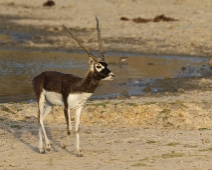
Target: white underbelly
<point x="54" y="98"/>
<point x="74" y="100"/>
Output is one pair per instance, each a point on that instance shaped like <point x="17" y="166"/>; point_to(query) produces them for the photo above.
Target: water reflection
<point x="132" y="71"/>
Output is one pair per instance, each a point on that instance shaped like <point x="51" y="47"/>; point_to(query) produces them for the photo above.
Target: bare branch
<point x="80" y="44"/>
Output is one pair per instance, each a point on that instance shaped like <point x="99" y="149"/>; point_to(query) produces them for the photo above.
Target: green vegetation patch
<point x="103" y="104"/>
<point x="173" y="144"/>
<point x="151" y="141"/>
<point x="165" y="111"/>
<point x="16" y="126"/>
<point x="201" y="129"/>
<point x="169" y="124"/>
<point x="149" y="103"/>
<point x="206" y="150"/>
<point x="139" y="164"/>
<point x="144" y="159"/>
<point x="178" y="102"/>
<point x="190" y="146"/>
<point x="172" y="155"/>
<point x="132" y="104"/>
<point x="18" y="110"/>
<point x="6" y="109"/>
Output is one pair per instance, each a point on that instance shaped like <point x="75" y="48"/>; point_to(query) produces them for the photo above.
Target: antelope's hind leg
<point x="43" y="114"/>
<point x="77" y="123"/>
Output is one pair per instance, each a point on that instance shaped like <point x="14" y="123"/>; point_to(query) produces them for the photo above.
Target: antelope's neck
<point x="90" y="82"/>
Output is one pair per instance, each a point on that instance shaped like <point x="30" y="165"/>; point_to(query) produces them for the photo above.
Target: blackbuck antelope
<point x="54" y="88"/>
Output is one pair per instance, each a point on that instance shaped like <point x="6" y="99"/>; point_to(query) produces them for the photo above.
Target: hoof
<point x="42" y="151"/>
<point x="63" y="146"/>
<point x="79" y="155"/>
<point x="48" y="149"/>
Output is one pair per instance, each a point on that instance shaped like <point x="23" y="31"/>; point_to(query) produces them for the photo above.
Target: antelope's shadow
<point x="26" y="131"/>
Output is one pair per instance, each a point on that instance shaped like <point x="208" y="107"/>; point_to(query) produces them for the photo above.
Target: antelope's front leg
<point x="69" y="127"/>
<point x="78" y="113"/>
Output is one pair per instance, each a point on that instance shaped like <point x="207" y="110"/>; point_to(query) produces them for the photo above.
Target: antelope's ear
<point x="91" y="61"/>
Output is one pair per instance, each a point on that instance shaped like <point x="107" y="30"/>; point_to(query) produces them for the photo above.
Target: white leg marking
<point x="78" y="113"/>
<point x="41" y="107"/>
<point x="43" y="115"/>
<point x="47" y="110"/>
<point x="41" y="148"/>
<point x="69" y="119"/>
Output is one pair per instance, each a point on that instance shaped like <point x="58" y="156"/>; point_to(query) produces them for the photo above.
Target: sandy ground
<point x="153" y="132"/>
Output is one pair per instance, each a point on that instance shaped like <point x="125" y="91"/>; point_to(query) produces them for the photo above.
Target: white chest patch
<point x="74" y="100"/>
<point x="77" y="100"/>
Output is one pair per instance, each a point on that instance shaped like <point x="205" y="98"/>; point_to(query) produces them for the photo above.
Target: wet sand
<point x="137" y="74"/>
<point x="154" y="131"/>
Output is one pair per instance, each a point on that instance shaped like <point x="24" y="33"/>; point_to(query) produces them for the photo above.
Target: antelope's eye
<point x="98" y="67"/>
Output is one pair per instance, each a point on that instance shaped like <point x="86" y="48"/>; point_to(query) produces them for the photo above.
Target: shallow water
<point x="133" y="71"/>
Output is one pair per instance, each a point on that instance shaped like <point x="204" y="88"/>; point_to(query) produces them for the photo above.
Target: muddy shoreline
<point x="27" y="26"/>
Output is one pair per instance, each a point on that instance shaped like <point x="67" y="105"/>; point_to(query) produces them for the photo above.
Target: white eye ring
<point x="98" y="67"/>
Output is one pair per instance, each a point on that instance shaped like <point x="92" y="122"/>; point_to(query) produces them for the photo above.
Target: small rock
<point x="122" y="59"/>
<point x="125" y="93"/>
<point x="50" y="30"/>
<point x="118" y="141"/>
<point x="11" y="4"/>
<point x="88" y="131"/>
<point x="12" y="165"/>
<point x="133" y="97"/>
<point x="167" y="77"/>
<point x="205" y="140"/>
<point x="203" y="80"/>
<point x="124" y="19"/>
<point x="146" y="89"/>
<point x="60" y="28"/>
<point x="30" y="43"/>
<point x="94" y="154"/>
<point x="210" y="63"/>
<point x="180" y="90"/>
<point x="49" y="3"/>
<point x="183" y="68"/>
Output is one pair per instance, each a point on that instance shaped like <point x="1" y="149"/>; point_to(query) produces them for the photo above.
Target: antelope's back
<point x="53" y="81"/>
